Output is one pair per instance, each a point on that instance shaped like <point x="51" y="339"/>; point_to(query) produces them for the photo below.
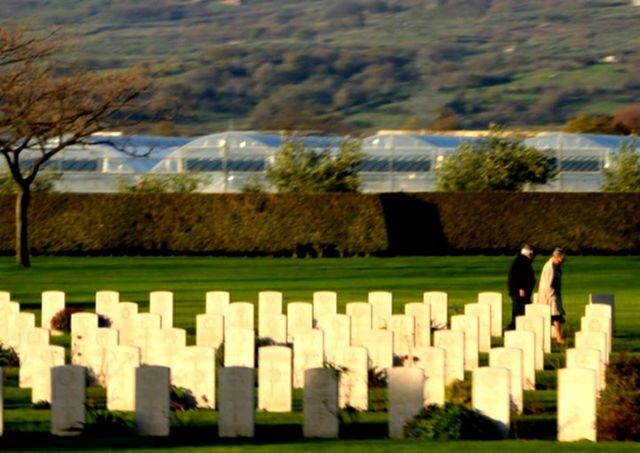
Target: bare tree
<point x="45" y="108"/>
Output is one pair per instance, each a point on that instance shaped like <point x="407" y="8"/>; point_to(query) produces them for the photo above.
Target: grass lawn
<point x="190" y="277"/>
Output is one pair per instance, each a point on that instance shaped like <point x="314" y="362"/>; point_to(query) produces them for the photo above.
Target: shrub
<point x="41" y="405"/>
<point x="619" y="403"/>
<point x="451" y="422"/>
<point x="8" y="356"/>
<point x="101" y="422"/>
<point x="182" y="399"/>
<point x="459" y="392"/>
<point x="62" y="320"/>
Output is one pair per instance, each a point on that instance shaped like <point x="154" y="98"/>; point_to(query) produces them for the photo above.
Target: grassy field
<point x="190" y="277"/>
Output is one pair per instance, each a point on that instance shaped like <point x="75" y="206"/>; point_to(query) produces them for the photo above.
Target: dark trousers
<point x="517" y="309"/>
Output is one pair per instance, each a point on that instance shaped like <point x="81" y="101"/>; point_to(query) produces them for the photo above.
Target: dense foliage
<point x="623" y="173"/>
<point x="619" y="403"/>
<point x="451" y="422"/>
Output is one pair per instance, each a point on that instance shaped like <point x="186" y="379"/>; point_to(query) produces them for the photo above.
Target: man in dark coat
<point x="521" y="282"/>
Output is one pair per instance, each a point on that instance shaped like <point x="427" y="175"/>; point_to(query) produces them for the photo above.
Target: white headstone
<point x="209" y="330"/>
<point x="68" y="399"/>
<point x="106" y="302"/>
<point x="144" y="325"/>
<point x="165" y="345"/>
<point x="606" y="299"/>
<point x="239" y="347"/>
<point x="590" y="359"/>
<point x="195" y="369"/>
<point x="5" y="297"/>
<point x="8" y="313"/>
<point x="432" y="361"/>
<point x="83" y="326"/>
<point x="439" y="308"/>
<point x="240" y="316"/>
<point x="324" y="303"/>
<point x="525" y="341"/>
<point x="44" y="358"/>
<point x="494" y="300"/>
<point x="593" y="340"/>
<point x="469" y="325"/>
<point x="161" y="302"/>
<point x="354" y="379"/>
<point x="52" y="303"/>
<point x="308" y="352"/>
<point x="153" y="386"/>
<point x="269" y="304"/>
<point x="320" y="403"/>
<point x="421" y="312"/>
<point x="403" y="328"/>
<point x="31" y="342"/>
<point x="217" y="302"/>
<point x="18" y="323"/>
<point x="360" y="315"/>
<point x="275" y="378"/>
<point x="237" y="402"/>
<point x="601" y="311"/>
<point x="381" y="307"/>
<point x="406" y="396"/>
<point x="124" y="317"/>
<point x="122" y="362"/>
<point x="576" y="404"/>
<point x="597" y="324"/>
<point x="275" y="328"/>
<point x="483" y="312"/>
<point x="453" y="344"/>
<point x="543" y="310"/>
<point x="491" y="395"/>
<point x="95" y="358"/>
<point x="536" y="325"/>
<point x="337" y="335"/>
<point x="299" y="319"/>
<point x="511" y="359"/>
<point x="380" y="348"/>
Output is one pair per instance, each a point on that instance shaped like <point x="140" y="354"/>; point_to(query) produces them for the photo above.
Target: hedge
<point x="326" y="224"/>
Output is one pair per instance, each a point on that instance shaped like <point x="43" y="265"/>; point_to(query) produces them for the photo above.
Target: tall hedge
<point x="325" y="225"/>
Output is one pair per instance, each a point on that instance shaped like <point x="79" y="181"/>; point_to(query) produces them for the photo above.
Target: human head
<point x="527" y="251"/>
<point x="558" y="255"/>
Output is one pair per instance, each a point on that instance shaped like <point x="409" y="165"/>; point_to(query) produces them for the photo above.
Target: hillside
<point x="360" y="64"/>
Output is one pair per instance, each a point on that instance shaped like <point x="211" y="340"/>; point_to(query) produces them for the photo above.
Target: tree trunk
<point x="22" y="226"/>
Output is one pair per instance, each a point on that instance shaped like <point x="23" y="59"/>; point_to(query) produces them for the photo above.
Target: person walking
<point x="521" y="283"/>
<point x="550" y="291"/>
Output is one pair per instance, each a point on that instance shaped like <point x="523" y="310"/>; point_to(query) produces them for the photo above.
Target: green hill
<point x="360" y="64"/>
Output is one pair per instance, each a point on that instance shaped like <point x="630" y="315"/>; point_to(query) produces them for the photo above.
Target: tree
<point x="623" y="174"/>
<point x="498" y="162"/>
<point x="300" y="169"/>
<point x="629" y="117"/>
<point x="595" y="123"/>
<point x="46" y="107"/>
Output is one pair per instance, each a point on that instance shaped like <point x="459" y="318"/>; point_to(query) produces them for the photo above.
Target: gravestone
<point x="106" y="302"/>
<point x="421" y="313"/>
<point x="438" y="301"/>
<point x="122" y="362"/>
<point x="453" y="344"/>
<point x="165" y="345"/>
<point x="606" y="299"/>
<point x="83" y="326"/>
<point x="600" y="311"/>
<point x="95" y="351"/>
<point x="403" y="328"/>
<point x="161" y="303"/>
<point x="275" y="328"/>
<point x="535" y="324"/>
<point x="237" y="402"/>
<point x="337" y="335"/>
<point x="209" y="330"/>
<point x="18" y="323"/>
<point x="31" y="341"/>
<point x="240" y="316"/>
<point x="576" y="404"/>
<point x="469" y="325"/>
<point x="360" y="315"/>
<point x="269" y="304"/>
<point x="299" y="319"/>
<point x="543" y="310"/>
<point x="52" y="303"/>
<point x="152" y="399"/>
<point x="511" y="359"/>
<point x="494" y="301"/>
<point x="594" y="340"/>
<point x="354" y="379"/>
<point x="8" y="313"/>
<point x="381" y="307"/>
<point x="590" y="359"/>
<point x="483" y="312"/>
<point x="195" y="369"/>
<point x="68" y="399"/>
<point x="44" y="358"/>
<point x="275" y="378"/>
<point x="124" y="317"/>
<point x="5" y="297"/>
<point x="380" y="349"/>
<point x="308" y="352"/>
<point x="217" y="303"/>
<point x="320" y="403"/>
<point x="597" y="324"/>
<point x="491" y="396"/>
<point x="325" y="303"/>
<point x="144" y="325"/>
<point x="406" y="396"/>
<point x="525" y="341"/>
<point x="239" y="347"/>
<point x="432" y="361"/>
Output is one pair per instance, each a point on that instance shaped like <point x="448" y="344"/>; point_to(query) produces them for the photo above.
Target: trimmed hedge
<point x="326" y="224"/>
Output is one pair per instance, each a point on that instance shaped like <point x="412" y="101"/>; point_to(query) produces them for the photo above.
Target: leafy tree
<point x="595" y="123"/>
<point x="629" y="117"/>
<point x="300" y="169"/>
<point x="498" y="162"/>
<point x="623" y="174"/>
<point x="46" y="107"/>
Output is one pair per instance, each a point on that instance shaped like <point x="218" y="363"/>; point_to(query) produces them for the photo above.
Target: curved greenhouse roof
<point x="567" y="141"/>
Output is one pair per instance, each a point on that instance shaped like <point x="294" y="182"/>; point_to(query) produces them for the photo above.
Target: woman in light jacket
<point x="550" y="291"/>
